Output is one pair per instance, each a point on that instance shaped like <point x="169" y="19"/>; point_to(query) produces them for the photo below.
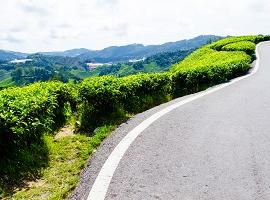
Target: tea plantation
<point x="30" y="114"/>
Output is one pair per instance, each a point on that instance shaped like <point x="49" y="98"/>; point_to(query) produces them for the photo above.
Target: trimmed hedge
<point x="107" y="97"/>
<point x="144" y="91"/>
<point x="245" y="46"/>
<point x="29" y="112"/>
<point x="221" y="43"/>
<point x="214" y="64"/>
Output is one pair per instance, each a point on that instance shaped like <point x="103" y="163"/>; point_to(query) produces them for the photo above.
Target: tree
<point x="17" y="75"/>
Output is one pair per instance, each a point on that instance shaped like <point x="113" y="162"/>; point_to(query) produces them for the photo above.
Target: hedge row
<point x="105" y="97"/>
<point x="221" y="43"/>
<point x="29" y="112"/>
<point x="245" y="46"/>
<point x="214" y="64"/>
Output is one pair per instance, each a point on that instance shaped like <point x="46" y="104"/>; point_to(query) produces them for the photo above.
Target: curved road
<point x="215" y="147"/>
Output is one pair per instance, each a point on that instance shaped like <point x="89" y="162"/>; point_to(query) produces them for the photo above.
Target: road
<point x="214" y="147"/>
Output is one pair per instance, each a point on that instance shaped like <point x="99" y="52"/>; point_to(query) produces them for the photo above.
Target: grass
<point x="60" y="162"/>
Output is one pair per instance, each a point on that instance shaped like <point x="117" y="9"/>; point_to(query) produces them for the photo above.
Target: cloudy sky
<point x="46" y="25"/>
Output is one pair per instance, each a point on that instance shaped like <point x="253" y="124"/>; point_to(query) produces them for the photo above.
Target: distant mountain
<point x="119" y="53"/>
<point x="11" y="55"/>
<point x="68" y="53"/>
<point x="133" y="51"/>
<point x="137" y="51"/>
<point x="48" y="61"/>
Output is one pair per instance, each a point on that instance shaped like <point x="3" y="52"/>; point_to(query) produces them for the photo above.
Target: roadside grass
<point x="56" y="166"/>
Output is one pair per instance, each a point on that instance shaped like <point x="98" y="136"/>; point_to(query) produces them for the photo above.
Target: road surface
<point x="214" y="147"/>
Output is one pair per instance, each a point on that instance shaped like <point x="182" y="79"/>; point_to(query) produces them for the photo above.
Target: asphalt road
<point x="215" y="147"/>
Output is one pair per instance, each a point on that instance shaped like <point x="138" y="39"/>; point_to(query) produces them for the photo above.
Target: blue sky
<point x="47" y="25"/>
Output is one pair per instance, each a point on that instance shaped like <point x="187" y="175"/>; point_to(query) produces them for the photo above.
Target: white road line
<point x="102" y="182"/>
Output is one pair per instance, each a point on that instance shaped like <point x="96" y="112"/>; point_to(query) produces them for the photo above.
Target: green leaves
<point x="214" y="63"/>
<point x="106" y="97"/>
<point x="29" y="112"/>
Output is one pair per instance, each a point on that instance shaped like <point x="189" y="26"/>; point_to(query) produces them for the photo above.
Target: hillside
<point x="137" y="51"/>
<point x="10" y="55"/>
<point x="44" y="68"/>
<point x="68" y="66"/>
<point x="40" y="68"/>
<point x="67" y="53"/>
<point x="160" y="62"/>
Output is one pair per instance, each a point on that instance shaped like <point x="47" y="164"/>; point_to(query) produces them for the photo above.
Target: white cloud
<point x="30" y="8"/>
<point x="107" y="2"/>
<point x="10" y="38"/>
<point x="34" y="25"/>
<point x="119" y="30"/>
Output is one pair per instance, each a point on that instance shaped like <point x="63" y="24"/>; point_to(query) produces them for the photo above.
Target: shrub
<point x="27" y="113"/>
<point x="214" y="63"/>
<point x="100" y="97"/>
<point x="246" y="46"/>
<point x="221" y="43"/>
<point x="144" y="91"/>
<point x="105" y="98"/>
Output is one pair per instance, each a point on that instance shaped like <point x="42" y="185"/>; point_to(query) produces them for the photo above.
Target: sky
<point x="55" y="25"/>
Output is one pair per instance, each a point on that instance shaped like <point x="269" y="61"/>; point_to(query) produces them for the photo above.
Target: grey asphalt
<point x="215" y="147"/>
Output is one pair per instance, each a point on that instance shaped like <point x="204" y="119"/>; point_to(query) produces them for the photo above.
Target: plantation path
<point x="215" y="147"/>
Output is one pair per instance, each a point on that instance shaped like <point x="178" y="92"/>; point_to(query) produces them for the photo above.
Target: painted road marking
<point x="103" y="180"/>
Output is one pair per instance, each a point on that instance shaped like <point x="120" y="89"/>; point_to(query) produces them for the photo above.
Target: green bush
<point x="106" y="98"/>
<point x="144" y="91"/>
<point x="27" y="113"/>
<point x="221" y="43"/>
<point x="246" y="46"/>
<point x="214" y="63"/>
<point x="100" y="96"/>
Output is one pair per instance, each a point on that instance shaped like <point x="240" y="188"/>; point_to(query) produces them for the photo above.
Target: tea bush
<point x="214" y="63"/>
<point x="29" y="112"/>
<point x="109" y="97"/>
